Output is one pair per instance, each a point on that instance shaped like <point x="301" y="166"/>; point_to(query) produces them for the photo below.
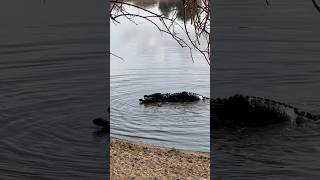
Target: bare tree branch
<point x="316" y="5"/>
<point x="195" y="12"/>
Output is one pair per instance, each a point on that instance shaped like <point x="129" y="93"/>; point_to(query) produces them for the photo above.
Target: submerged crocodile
<point x="103" y="124"/>
<point x="239" y="110"/>
<point x="172" y="97"/>
<point x="247" y="111"/>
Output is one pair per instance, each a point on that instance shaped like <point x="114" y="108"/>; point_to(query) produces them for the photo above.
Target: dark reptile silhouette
<point x="172" y="97"/>
<point x="239" y="110"/>
<point x="250" y="111"/>
<point x="103" y="124"/>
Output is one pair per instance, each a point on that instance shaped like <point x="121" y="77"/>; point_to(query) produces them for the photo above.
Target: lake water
<point x="52" y="84"/>
<point x="152" y="63"/>
<point x="269" y="52"/>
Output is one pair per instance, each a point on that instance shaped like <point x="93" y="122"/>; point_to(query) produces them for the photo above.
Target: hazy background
<point x="53" y="73"/>
<point x="271" y="52"/>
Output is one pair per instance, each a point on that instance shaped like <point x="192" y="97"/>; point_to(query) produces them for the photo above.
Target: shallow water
<point x="155" y="63"/>
<point x="269" y="52"/>
<point x="52" y="74"/>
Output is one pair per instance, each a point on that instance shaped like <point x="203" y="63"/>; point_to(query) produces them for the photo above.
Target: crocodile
<point x="172" y="97"/>
<point x="103" y="124"/>
<point x="239" y="110"/>
<point x="250" y="111"/>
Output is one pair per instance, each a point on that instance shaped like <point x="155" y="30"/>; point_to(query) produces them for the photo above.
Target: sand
<point x="129" y="160"/>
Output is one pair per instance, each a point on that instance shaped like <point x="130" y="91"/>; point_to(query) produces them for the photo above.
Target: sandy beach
<point x="130" y="160"/>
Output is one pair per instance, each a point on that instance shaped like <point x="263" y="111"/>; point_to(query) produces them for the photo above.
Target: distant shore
<point x="138" y="161"/>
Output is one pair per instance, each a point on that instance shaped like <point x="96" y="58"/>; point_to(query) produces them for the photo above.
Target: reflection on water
<point x="52" y="74"/>
<point x="166" y="7"/>
<point x="144" y="3"/>
<point x="153" y="63"/>
<point x="275" y="56"/>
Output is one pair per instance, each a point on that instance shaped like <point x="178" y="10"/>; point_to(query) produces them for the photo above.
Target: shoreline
<point x="133" y="160"/>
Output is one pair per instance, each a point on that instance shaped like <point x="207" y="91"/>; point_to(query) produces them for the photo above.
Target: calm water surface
<point x="52" y="74"/>
<point x="155" y="63"/>
<point x="270" y="52"/>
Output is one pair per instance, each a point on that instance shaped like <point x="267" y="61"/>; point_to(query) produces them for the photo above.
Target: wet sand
<point x="129" y="160"/>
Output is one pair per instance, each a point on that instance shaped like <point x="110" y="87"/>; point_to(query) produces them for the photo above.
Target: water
<point x="52" y="84"/>
<point x="155" y="63"/>
<point x="269" y="52"/>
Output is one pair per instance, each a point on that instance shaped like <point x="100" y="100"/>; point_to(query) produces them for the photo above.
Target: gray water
<point x="52" y="84"/>
<point x="270" y="52"/>
<point x="152" y="63"/>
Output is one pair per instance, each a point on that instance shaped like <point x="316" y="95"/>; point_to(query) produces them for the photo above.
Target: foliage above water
<point x="186" y="21"/>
